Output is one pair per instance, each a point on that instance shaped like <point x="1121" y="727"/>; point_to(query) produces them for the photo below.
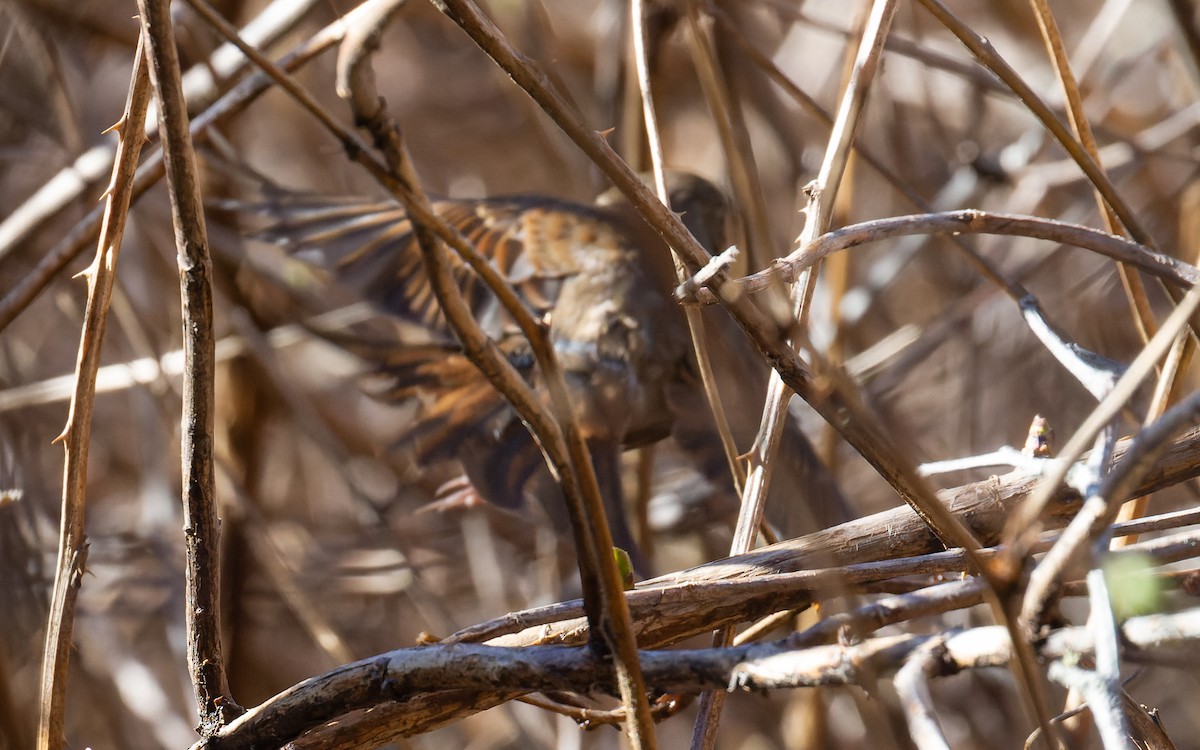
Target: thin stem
<point x="100" y="275"/>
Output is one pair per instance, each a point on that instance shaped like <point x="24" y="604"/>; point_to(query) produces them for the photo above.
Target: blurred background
<point x="330" y="551"/>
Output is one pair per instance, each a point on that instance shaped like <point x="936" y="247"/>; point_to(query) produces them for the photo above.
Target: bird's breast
<point x="618" y="342"/>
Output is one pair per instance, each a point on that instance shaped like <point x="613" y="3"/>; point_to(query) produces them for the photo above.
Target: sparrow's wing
<point x="459" y="408"/>
<point x="370" y="248"/>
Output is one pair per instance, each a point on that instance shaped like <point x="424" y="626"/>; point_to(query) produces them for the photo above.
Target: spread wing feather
<point x="371" y="249"/>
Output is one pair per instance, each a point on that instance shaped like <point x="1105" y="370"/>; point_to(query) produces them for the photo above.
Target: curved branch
<point x="966" y="221"/>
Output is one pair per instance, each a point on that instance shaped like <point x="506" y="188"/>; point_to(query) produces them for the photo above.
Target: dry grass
<point x="327" y="555"/>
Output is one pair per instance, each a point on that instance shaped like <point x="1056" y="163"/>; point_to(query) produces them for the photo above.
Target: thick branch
<point x="201" y="526"/>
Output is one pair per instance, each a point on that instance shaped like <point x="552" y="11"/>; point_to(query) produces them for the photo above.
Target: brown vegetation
<point x="951" y="220"/>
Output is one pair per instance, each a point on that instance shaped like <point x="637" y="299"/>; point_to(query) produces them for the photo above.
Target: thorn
<point x="62" y="436"/>
<point x="117" y="127"/>
<point x="606" y="132"/>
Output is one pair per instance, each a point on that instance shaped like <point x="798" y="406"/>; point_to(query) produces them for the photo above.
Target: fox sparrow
<point x="600" y="277"/>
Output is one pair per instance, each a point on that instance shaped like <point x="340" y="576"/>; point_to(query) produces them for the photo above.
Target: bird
<point x="600" y="278"/>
